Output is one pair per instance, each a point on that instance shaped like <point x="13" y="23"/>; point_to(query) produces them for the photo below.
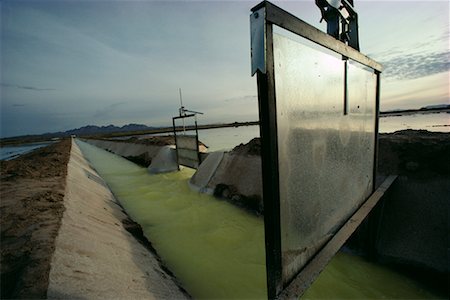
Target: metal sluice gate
<point x="318" y="102"/>
<point x="187" y="145"/>
<point x="318" y="99"/>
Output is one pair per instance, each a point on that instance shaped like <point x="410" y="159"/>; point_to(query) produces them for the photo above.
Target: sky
<point x="67" y="64"/>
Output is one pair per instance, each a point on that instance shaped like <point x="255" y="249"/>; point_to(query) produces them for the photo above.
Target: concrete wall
<point x="410" y="227"/>
<point x="140" y="153"/>
<point x="235" y="177"/>
<point x="414" y="223"/>
<point x="95" y="257"/>
<point x="158" y="159"/>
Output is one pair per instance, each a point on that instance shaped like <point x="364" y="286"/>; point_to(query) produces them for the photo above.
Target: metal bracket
<point x="342" y="20"/>
<point x="258" y="40"/>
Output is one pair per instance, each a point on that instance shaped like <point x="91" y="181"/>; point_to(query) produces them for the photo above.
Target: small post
<point x="176" y="146"/>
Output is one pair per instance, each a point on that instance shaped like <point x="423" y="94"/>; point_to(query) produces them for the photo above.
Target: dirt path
<point x="31" y="193"/>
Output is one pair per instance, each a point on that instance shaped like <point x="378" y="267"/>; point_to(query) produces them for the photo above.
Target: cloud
<point x="413" y="66"/>
<point x="242" y="98"/>
<point x="106" y="111"/>
<point x="25" y="87"/>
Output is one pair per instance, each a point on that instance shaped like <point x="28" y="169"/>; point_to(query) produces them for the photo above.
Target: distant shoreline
<point x="28" y="139"/>
<point x="180" y="128"/>
<point x="406" y="112"/>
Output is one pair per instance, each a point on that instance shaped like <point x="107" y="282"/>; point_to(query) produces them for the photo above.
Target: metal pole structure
<point x="182" y="111"/>
<point x="176" y="146"/>
<point x="196" y="138"/>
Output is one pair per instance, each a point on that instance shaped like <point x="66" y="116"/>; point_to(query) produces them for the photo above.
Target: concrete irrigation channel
<point x="95" y="257"/>
<point x="418" y="157"/>
<point x="212" y="248"/>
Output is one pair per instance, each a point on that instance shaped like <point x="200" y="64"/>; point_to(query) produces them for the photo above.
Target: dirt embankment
<point x="152" y="140"/>
<point x="251" y="148"/>
<point x="238" y="178"/>
<point x="141" y="151"/>
<point x="160" y="140"/>
<point x="32" y="192"/>
<point x="410" y="153"/>
<point x="416" y="153"/>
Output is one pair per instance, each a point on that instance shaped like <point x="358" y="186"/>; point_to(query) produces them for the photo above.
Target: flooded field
<point x="11" y="152"/>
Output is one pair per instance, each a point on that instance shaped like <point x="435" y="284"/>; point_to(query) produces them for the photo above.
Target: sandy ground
<point x="34" y="200"/>
<point x="32" y="191"/>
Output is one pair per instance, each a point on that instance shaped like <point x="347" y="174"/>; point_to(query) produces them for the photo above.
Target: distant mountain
<point x="425" y="109"/>
<point x="436" y="106"/>
<point x="93" y="129"/>
<point x="82" y="131"/>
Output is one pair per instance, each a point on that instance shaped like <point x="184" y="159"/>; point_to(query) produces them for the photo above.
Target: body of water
<point x="437" y="122"/>
<point x="217" y="250"/>
<point x="229" y="137"/>
<point x="218" y="139"/>
<point x="11" y="152"/>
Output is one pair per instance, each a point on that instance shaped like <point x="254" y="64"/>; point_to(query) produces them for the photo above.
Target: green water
<point x="351" y="277"/>
<point x="214" y="248"/>
<point x="217" y="250"/>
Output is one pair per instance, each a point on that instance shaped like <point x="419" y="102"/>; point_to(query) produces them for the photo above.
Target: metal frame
<point x="196" y="135"/>
<point x="377" y="124"/>
<point x="270" y="172"/>
<point x="277" y="16"/>
<point x="307" y="275"/>
<point x="274" y="15"/>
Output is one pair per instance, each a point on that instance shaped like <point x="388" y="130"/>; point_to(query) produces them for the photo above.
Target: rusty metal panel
<point x="325" y="110"/>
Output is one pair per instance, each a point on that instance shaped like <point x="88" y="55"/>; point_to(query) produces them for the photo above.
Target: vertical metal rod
<point x="181" y="99"/>
<point x="182" y="111"/>
<point x="345" y="86"/>
<point x="198" y="144"/>
<point x="377" y="122"/>
<point x="176" y="145"/>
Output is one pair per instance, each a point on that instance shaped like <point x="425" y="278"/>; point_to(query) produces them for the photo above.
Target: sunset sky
<point x="66" y="64"/>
